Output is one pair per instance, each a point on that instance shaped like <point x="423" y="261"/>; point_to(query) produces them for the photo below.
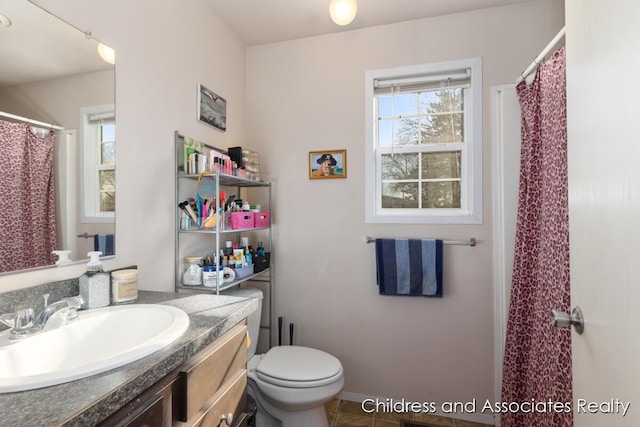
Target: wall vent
<point x="405" y="423"/>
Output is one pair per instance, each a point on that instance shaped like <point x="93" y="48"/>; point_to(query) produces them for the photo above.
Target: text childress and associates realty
<point x="612" y="406"/>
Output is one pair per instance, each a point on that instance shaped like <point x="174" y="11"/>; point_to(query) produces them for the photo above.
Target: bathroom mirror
<point x="52" y="73"/>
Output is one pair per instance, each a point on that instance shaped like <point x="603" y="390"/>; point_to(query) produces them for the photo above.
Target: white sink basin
<point x="101" y="339"/>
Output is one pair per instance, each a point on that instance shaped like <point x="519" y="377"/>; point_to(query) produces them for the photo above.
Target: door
<point x="603" y="117"/>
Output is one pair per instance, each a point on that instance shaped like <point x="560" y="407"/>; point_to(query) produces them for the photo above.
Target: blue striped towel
<point x="105" y="243"/>
<point x="410" y="267"/>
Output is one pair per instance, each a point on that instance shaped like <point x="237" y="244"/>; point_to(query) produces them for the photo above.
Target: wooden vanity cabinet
<point x="207" y="390"/>
<point x="147" y="412"/>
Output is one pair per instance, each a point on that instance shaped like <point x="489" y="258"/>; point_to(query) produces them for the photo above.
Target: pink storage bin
<point x="262" y="219"/>
<point x="242" y="220"/>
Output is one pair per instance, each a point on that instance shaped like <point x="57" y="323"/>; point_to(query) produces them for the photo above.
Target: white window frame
<point x="89" y="156"/>
<point x="471" y="173"/>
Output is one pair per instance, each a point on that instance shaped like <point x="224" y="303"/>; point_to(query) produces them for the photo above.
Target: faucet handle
<point x="25" y="318"/>
<point x="46" y="300"/>
<point x="75" y="302"/>
<point x="8" y="319"/>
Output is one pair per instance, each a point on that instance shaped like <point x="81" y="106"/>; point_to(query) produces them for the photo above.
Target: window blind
<point x="450" y="80"/>
<point x="101" y="118"/>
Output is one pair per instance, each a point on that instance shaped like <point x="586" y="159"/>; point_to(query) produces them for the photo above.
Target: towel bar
<point x="470" y="242"/>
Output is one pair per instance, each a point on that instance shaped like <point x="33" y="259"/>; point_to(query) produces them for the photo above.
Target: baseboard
<point x="475" y="417"/>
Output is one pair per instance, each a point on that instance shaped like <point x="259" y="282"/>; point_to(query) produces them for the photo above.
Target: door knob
<point x="560" y="319"/>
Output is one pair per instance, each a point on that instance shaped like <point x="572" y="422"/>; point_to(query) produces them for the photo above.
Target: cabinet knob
<point x="228" y="419"/>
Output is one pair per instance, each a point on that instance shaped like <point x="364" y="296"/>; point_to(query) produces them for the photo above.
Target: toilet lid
<point x="295" y="366"/>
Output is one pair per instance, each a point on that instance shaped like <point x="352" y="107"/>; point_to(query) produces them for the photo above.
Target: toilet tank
<point x="253" y="321"/>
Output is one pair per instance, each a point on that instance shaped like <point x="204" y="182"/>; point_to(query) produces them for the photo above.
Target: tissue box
<point x="242" y="220"/>
<point x="262" y="219"/>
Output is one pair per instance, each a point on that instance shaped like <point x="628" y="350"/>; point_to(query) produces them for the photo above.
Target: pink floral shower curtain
<point x="27" y="202"/>
<point x="537" y="360"/>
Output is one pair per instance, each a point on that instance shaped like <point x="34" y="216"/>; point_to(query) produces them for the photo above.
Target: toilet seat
<point x="298" y="367"/>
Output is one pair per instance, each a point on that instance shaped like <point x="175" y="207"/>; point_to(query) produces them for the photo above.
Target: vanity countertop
<point x="87" y="401"/>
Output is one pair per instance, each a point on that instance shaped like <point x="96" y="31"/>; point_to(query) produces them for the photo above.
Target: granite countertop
<point x="90" y="400"/>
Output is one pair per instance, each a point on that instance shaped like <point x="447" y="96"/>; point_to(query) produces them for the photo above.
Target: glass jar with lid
<point x="192" y="275"/>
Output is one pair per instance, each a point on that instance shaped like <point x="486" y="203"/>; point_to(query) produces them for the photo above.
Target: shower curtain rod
<point x="541" y="57"/>
<point x="31" y="121"/>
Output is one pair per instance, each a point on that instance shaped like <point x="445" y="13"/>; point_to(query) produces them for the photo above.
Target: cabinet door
<point x="200" y="379"/>
<point x="148" y="414"/>
<point x="227" y="404"/>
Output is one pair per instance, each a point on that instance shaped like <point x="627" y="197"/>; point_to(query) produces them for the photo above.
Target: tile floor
<point x="344" y="413"/>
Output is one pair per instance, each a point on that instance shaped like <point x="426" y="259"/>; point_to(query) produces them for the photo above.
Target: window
<point x="424" y="144"/>
<point x="98" y="163"/>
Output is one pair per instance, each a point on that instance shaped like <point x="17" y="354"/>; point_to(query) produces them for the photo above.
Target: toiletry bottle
<point x="192" y="275"/>
<point x="95" y="286"/>
<point x="210" y="275"/>
<point x="124" y="286"/>
<point x="260" y="249"/>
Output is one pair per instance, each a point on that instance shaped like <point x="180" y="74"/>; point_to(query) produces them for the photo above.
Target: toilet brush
<point x="290" y="333"/>
<point x="280" y="330"/>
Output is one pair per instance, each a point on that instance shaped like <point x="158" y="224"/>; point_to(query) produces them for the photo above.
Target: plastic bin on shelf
<point x="242" y="220"/>
<point x="243" y="272"/>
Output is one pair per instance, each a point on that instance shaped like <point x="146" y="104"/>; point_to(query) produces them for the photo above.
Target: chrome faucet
<point x="25" y="322"/>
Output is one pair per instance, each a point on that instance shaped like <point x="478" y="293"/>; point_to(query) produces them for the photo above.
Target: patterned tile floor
<point x="344" y="413"/>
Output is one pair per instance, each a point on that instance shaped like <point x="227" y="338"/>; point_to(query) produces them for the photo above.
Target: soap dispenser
<point x="94" y="284"/>
<point x="63" y="257"/>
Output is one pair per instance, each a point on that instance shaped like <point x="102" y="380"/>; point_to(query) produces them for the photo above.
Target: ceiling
<point x="261" y="21"/>
<point x="41" y="46"/>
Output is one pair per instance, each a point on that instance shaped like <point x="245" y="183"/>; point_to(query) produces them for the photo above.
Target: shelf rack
<point x="222" y="181"/>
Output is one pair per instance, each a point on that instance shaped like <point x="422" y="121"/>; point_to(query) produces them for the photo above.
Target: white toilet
<point x="290" y="384"/>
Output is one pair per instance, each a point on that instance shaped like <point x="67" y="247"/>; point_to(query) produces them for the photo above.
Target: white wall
<point x="59" y="100"/>
<point x="308" y="95"/>
<point x="302" y="96"/>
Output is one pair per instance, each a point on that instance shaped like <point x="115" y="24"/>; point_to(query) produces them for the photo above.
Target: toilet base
<point x="316" y="417"/>
<point x="269" y="416"/>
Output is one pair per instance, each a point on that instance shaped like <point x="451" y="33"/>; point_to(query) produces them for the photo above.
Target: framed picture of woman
<point x="327" y="164"/>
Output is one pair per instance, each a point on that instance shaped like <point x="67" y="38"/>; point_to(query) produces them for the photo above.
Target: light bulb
<point x="342" y="12"/>
<point x="4" y="21"/>
<point x="106" y="53"/>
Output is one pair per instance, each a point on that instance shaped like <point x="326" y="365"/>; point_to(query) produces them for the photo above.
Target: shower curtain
<point x="27" y="201"/>
<point x="537" y="360"/>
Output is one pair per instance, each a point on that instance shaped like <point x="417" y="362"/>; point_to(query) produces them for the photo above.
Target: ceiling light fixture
<point x="4" y="21"/>
<point x="342" y="12"/>
<point x="106" y="53"/>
